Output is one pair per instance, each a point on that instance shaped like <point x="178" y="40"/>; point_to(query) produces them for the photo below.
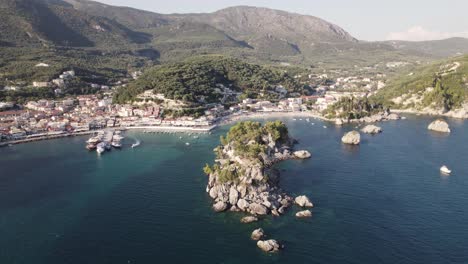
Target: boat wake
<point x="136" y="144"/>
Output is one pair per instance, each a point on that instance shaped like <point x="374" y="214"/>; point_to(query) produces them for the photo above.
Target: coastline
<point x="46" y="137"/>
<point x="416" y="112"/>
<point x="174" y="129"/>
<point x="234" y="118"/>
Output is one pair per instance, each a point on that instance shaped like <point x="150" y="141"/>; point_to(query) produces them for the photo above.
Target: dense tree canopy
<point x="196" y="79"/>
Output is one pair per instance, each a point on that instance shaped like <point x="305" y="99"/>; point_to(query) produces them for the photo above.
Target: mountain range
<point x="241" y="30"/>
<point x="69" y="32"/>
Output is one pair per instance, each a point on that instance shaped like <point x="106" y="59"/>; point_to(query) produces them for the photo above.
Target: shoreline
<point x="416" y="112"/>
<point x="173" y="129"/>
<point x="232" y="119"/>
<point x="207" y="129"/>
<point x="161" y="129"/>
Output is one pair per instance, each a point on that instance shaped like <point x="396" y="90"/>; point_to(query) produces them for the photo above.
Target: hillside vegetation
<point x="441" y="85"/>
<point x="196" y="79"/>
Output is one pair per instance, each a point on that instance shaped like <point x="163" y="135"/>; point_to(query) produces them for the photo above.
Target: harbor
<point x="96" y="133"/>
<point x="104" y="141"/>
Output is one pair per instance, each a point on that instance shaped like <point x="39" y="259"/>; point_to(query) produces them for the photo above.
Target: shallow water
<point x="384" y="201"/>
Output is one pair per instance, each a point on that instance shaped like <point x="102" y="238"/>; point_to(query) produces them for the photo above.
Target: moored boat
<point x="444" y="169"/>
<point x="101" y="147"/>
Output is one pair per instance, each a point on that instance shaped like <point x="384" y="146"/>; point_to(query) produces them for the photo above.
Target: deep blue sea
<point x="384" y="201"/>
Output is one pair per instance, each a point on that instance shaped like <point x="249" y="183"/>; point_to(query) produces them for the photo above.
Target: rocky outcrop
<point x="303" y="201"/>
<point x="220" y="206"/>
<point x="269" y="246"/>
<point x="241" y="181"/>
<point x="383" y="116"/>
<point x="303" y="214"/>
<point x="439" y="126"/>
<point x="371" y="129"/>
<point x="351" y="138"/>
<point x="248" y="219"/>
<point x="302" y="154"/>
<point x="257" y="234"/>
<point x="258" y="209"/>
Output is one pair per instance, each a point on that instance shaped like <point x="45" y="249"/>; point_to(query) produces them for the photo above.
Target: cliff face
<point x="242" y="178"/>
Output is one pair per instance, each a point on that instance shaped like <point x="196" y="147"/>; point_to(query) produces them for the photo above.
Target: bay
<point x="384" y="201"/>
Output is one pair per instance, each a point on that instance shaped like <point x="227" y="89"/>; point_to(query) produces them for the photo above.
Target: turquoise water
<point x="381" y="202"/>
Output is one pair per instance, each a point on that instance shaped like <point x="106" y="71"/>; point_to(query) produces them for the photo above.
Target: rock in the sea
<point x="248" y="219"/>
<point x="242" y="204"/>
<point x="302" y="154"/>
<point x="220" y="207"/>
<point x="302" y="214"/>
<point x="338" y="122"/>
<point x="233" y="195"/>
<point x="440" y="126"/>
<point x="352" y="138"/>
<point x="393" y="116"/>
<point x="371" y="129"/>
<point x="257" y="234"/>
<point x="258" y="209"/>
<point x="269" y="245"/>
<point x="303" y="201"/>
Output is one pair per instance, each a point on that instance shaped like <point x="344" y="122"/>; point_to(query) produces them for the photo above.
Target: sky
<point x="413" y="20"/>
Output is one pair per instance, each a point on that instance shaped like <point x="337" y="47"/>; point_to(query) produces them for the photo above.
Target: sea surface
<point x="384" y="201"/>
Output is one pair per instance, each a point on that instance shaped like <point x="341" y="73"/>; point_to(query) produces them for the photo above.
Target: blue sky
<point x="364" y="19"/>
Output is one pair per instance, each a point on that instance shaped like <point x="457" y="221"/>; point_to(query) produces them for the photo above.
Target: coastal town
<point x="84" y="114"/>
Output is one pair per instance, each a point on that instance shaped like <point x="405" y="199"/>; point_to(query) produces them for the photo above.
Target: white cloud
<point x="418" y="33"/>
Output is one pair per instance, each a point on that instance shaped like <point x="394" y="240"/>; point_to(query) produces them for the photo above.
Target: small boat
<point x="187" y="144"/>
<point x="308" y="120"/>
<point x="108" y="146"/>
<point x="195" y="137"/>
<point x="294" y="119"/>
<point x="445" y="170"/>
<point x="313" y="124"/>
<point x="100" y="148"/>
<point x="324" y="126"/>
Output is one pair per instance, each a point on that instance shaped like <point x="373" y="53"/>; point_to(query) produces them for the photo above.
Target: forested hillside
<point x="195" y="80"/>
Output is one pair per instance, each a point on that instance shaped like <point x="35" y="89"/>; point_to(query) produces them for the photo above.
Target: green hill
<point x="196" y="80"/>
<point x="442" y="85"/>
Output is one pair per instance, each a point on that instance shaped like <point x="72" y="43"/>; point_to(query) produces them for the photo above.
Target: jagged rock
<point x="352" y="138"/>
<point x="220" y="207"/>
<point x="275" y="212"/>
<point x="233" y="195"/>
<point x="439" y="126"/>
<point x="242" y="189"/>
<point x="267" y="204"/>
<point x="371" y="129"/>
<point x="242" y="204"/>
<point x="248" y="219"/>
<point x="302" y="154"/>
<point x="257" y="234"/>
<point x="258" y="209"/>
<point x="302" y="214"/>
<point x="269" y="245"/>
<point x="234" y="209"/>
<point x="303" y="201"/>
